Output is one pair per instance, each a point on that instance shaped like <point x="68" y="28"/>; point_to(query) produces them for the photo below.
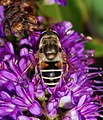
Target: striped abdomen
<point x="51" y="72"/>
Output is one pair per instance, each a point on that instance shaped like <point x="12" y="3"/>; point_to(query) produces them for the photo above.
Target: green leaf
<point x="95" y="11"/>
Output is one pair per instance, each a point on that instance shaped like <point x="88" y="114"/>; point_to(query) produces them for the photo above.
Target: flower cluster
<point x="24" y="95"/>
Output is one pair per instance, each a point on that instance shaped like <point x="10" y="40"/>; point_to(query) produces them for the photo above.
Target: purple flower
<point x="26" y="99"/>
<point x="24" y="92"/>
<point x="6" y="106"/>
<point x="16" y="74"/>
<point x="51" y="108"/>
<point x="83" y="110"/>
<point x="59" y="2"/>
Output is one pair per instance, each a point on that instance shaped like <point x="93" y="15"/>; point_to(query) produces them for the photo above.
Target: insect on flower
<point x="19" y="18"/>
<point x="51" y="58"/>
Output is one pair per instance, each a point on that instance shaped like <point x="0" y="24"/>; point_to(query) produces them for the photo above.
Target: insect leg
<point x="65" y="64"/>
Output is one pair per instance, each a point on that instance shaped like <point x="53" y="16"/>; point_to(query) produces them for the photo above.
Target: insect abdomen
<point x="51" y="73"/>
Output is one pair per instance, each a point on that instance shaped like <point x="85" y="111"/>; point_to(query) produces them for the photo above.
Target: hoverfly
<point x="51" y="58"/>
<point x="19" y="18"/>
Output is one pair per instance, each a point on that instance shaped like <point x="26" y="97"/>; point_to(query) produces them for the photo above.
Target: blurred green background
<point x="86" y="17"/>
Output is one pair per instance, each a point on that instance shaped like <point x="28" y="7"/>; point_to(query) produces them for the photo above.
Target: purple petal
<point x="73" y="115"/>
<point x="31" y="90"/>
<point x="62" y="27"/>
<point x="1" y="11"/>
<point x="24" y="52"/>
<point x="52" y="114"/>
<point x="86" y="90"/>
<point x="89" y="109"/>
<point x="74" y="77"/>
<point x="6" y="108"/>
<point x="61" y="2"/>
<point x="2" y="42"/>
<point x="82" y="100"/>
<point x="22" y="93"/>
<point x="40" y="19"/>
<point x="67" y="101"/>
<point x="69" y="40"/>
<point x="52" y="105"/>
<point x="22" y="117"/>
<point x="3" y="81"/>
<point x="10" y="86"/>
<point x="66" y="118"/>
<point x="5" y="96"/>
<point x="40" y="92"/>
<point x="5" y="111"/>
<point x="10" y="47"/>
<point x="32" y="58"/>
<point x="7" y="57"/>
<point x="35" y="109"/>
<point x="15" y="113"/>
<point x="19" y="101"/>
<point x="14" y="67"/>
<point x="8" y="75"/>
<point x="23" y="64"/>
<point x="35" y="80"/>
<point x="24" y="41"/>
<point x="2" y="65"/>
